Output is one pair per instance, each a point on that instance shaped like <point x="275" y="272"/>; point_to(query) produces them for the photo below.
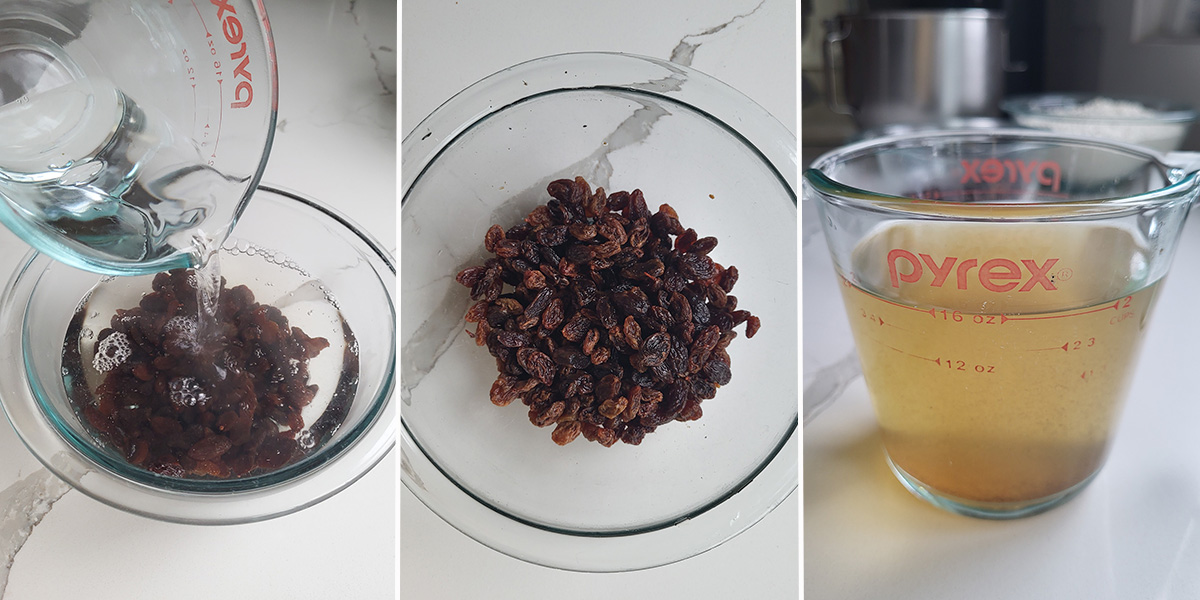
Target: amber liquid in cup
<point x="997" y="355"/>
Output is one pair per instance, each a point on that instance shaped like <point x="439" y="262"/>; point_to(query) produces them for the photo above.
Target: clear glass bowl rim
<point x="195" y="501"/>
<point x="1182" y="186"/>
<point x="570" y="550"/>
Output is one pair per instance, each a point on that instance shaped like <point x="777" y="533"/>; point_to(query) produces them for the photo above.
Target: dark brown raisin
<point x="534" y="279"/>
<point x="696" y="266"/>
<point x="570" y="356"/>
<point x="536" y="364"/>
<point x="608" y="387"/>
<point x="552" y="317"/>
<point x="633" y="332"/>
<point x="576" y="327"/>
<point x="512" y="339"/>
<point x="717" y="372"/>
<point x="729" y="279"/>
<point x="704" y="245"/>
<point x="491" y="240"/>
<point x="470" y="276"/>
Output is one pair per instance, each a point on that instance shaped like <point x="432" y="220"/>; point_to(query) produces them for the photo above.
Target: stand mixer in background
<point x="134" y="132"/>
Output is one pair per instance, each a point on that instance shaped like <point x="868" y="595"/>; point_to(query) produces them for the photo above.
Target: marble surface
<point x="1133" y="533"/>
<point x="748" y="44"/>
<point x="335" y="141"/>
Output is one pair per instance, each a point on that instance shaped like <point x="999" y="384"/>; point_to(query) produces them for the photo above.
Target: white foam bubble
<point x="186" y="331"/>
<point x="185" y="391"/>
<point x="112" y="351"/>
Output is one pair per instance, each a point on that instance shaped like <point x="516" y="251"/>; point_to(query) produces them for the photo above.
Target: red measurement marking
<point x="886" y="301"/>
<point x="220" y="116"/>
<point x="908" y="353"/>
<point x="202" y="23"/>
<point x="1115" y="306"/>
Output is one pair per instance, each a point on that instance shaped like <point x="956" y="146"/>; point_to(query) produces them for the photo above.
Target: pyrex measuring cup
<point x="131" y="128"/>
<point x="997" y="286"/>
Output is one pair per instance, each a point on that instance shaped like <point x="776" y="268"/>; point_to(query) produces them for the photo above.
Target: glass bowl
<point x="1157" y="124"/>
<point x="291" y="251"/>
<point x="485" y="157"/>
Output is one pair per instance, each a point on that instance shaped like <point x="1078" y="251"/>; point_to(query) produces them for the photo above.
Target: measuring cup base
<point x="986" y="510"/>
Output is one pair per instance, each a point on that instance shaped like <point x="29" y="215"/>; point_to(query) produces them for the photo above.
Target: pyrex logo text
<point x="243" y="94"/>
<point x="1046" y="172"/>
<point x="995" y="274"/>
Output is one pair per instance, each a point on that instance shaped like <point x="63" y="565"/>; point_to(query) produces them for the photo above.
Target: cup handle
<point x="1185" y="164"/>
<point x="834" y="96"/>
<point x="1187" y="161"/>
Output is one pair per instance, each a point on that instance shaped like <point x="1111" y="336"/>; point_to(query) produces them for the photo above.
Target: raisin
<point x="536" y="364"/>
<point x="717" y="372"/>
<point x="552" y="317"/>
<point x="752" y="325"/>
<point x="704" y="245"/>
<point x="539" y="303"/>
<point x="632" y="301"/>
<point x="543" y="416"/>
<point x="604" y="310"/>
<point x="566" y="432"/>
<point x="470" y="276"/>
<point x="560" y="189"/>
<point x="570" y="356"/>
<point x="512" y="339"/>
<point x="502" y="392"/>
<point x="613" y="406"/>
<point x="534" y="279"/>
<point x="590" y="340"/>
<point x="684" y="242"/>
<point x="583" y="231"/>
<point x="608" y="388"/>
<point x="576" y="327"/>
<point x="633" y="332"/>
<point x="696" y="266"/>
<point x="600" y="355"/>
<point x="491" y="240"/>
<point x="729" y="278"/>
<point x="552" y="236"/>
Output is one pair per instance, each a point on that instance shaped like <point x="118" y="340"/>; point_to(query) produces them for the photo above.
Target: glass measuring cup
<point x="997" y="285"/>
<point x="132" y="128"/>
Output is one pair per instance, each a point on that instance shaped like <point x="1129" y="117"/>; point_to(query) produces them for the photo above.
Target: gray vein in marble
<point x="685" y="50"/>
<point x="22" y="506"/>
<point x="828" y="383"/>
<point x="387" y="89"/>
<point x="407" y="469"/>
<point x="436" y="334"/>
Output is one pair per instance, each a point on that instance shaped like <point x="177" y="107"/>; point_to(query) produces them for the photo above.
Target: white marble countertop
<point x="748" y="44"/>
<point x="1133" y="533"/>
<point x="335" y="141"/>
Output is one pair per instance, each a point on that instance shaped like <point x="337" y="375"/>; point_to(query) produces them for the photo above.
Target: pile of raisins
<point x="181" y="403"/>
<point x="615" y="320"/>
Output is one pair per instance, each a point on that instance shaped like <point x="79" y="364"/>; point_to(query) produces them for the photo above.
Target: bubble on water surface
<point x="112" y="351"/>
